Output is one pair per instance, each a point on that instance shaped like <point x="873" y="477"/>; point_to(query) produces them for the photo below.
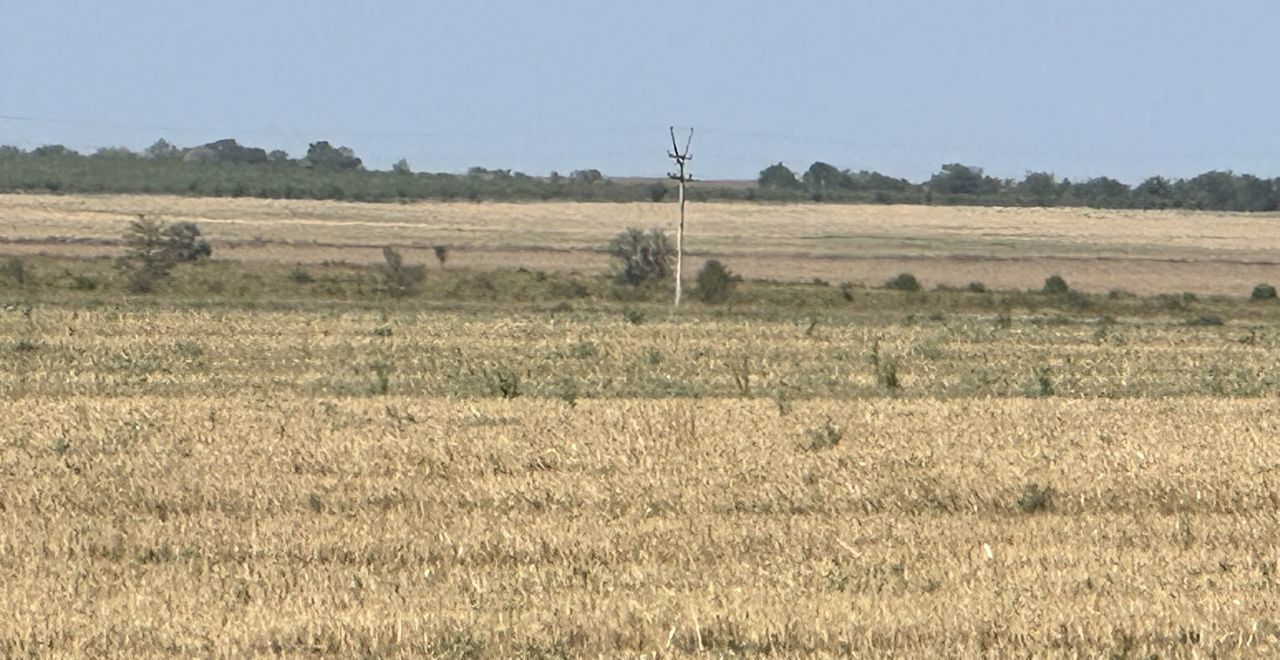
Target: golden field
<point x="1145" y="252"/>
<point x="424" y="483"/>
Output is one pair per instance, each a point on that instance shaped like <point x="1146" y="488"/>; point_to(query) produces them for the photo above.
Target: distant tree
<point x="957" y="179"/>
<point x="1155" y="193"/>
<point x="225" y="151"/>
<point x="162" y="150"/>
<point x="1103" y="192"/>
<point x="402" y="167"/>
<point x="586" y="176"/>
<point x="324" y="156"/>
<point x="113" y="153"/>
<point x="1039" y="188"/>
<point x="278" y="156"/>
<point x="1255" y="194"/>
<point x="52" y="151"/>
<point x="657" y="191"/>
<point x="875" y="181"/>
<point x="1211" y="190"/>
<point x="642" y="257"/>
<point x="822" y="177"/>
<point x="778" y="177"/>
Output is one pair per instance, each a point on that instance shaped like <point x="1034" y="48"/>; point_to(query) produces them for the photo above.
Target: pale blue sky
<point x="1080" y="88"/>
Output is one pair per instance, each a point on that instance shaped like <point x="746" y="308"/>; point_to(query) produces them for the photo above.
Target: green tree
<point x="778" y="177"/>
<point x="823" y="178"/>
<point x="1039" y="188"/>
<point x="225" y="151"/>
<point x="586" y="176"/>
<point x="324" y="156"/>
<point x="1155" y="193"/>
<point x="162" y="150"/>
<point x="53" y="151"/>
<point x="113" y="153"/>
<point x="1103" y="192"/>
<point x="1211" y="190"/>
<point x="957" y="179"/>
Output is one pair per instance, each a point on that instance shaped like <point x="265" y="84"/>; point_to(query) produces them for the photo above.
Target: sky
<point x="1084" y="88"/>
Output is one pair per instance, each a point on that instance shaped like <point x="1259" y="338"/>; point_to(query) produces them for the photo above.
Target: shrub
<point x="825" y="437"/>
<point x="903" y="282"/>
<point x="142" y="280"/>
<point x="155" y="246"/>
<point x="301" y="275"/>
<point x="977" y="287"/>
<point x="398" y="279"/>
<point x="569" y="289"/>
<point x="1263" y="292"/>
<point x="1044" y="382"/>
<point x="1035" y="498"/>
<point x="17" y="270"/>
<point x="642" y="257"/>
<point x="84" y="283"/>
<point x="1206" y="320"/>
<point x="715" y="283"/>
<point x="506" y="384"/>
<point x="887" y="376"/>
<point x="1055" y="285"/>
<point x="185" y="243"/>
<point x="442" y="254"/>
<point x="657" y="191"/>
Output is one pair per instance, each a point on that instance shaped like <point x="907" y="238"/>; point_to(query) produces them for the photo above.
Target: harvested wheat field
<point x="238" y="482"/>
<point x="1145" y="252"/>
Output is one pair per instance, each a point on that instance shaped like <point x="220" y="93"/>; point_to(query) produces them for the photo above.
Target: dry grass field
<point x="407" y="483"/>
<point x="519" y="460"/>
<point x="1006" y="248"/>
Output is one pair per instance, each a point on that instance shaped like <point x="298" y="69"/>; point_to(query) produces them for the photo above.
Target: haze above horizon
<point x="1081" y="89"/>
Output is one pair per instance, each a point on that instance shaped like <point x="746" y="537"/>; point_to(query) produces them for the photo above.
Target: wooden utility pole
<point x="680" y="158"/>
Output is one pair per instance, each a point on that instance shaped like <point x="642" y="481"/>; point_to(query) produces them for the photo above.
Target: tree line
<point x="226" y="168"/>
<point x="957" y="184"/>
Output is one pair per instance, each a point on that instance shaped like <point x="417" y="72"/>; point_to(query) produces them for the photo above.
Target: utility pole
<point x="680" y="158"/>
